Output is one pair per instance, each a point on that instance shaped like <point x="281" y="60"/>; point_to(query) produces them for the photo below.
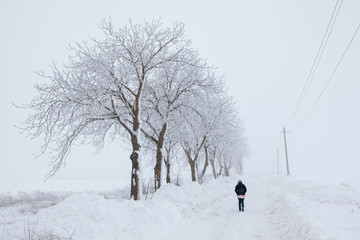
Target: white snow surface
<point x="277" y="207"/>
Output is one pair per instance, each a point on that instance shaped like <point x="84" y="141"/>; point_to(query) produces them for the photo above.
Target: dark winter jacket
<point x="240" y="189"/>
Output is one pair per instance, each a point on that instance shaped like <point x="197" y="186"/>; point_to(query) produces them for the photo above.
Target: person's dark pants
<point x="241" y="204"/>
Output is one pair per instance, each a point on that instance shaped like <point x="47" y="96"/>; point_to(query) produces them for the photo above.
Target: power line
<point x="317" y="59"/>
<point x="322" y="52"/>
<point x="331" y="77"/>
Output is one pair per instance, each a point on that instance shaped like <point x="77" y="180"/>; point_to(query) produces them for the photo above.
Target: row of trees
<point x="143" y="81"/>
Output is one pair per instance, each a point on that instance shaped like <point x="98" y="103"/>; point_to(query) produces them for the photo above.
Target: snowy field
<point x="275" y="208"/>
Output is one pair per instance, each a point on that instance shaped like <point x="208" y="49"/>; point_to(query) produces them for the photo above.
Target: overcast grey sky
<point x="265" y="49"/>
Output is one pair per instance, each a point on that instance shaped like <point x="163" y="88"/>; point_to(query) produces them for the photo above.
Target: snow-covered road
<point x="220" y="219"/>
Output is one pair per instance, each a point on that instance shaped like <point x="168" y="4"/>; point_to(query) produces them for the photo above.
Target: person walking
<point x="240" y="190"/>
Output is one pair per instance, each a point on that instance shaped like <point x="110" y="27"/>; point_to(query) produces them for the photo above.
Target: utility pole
<point x="277" y="162"/>
<point x="286" y="153"/>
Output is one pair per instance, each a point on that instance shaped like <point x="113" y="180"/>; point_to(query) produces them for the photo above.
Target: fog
<point x="264" y="48"/>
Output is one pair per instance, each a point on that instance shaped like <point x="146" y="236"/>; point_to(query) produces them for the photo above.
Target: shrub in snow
<point x="33" y="202"/>
<point x="6" y="200"/>
<point x="31" y="231"/>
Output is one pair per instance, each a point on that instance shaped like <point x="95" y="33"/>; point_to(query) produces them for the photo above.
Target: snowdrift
<point x="307" y="210"/>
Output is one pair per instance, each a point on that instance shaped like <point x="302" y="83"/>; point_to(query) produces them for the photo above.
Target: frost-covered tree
<point x="214" y="127"/>
<point x="196" y="126"/>
<point x="227" y="142"/>
<point x="229" y="146"/>
<point x="167" y="99"/>
<point x="98" y="93"/>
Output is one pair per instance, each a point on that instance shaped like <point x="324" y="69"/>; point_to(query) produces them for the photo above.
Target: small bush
<point x="30" y="231"/>
<point x="38" y="200"/>
<point x="49" y="235"/>
<point x="6" y="200"/>
<point x="148" y="188"/>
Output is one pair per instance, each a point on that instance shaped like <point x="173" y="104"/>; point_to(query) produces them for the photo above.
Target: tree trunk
<point x="221" y="167"/>
<point x="198" y="176"/>
<point x="192" y="166"/>
<point x="220" y="171"/>
<point x="192" y="169"/>
<point x="212" y="163"/>
<point x="135" y="135"/>
<point x="167" y="164"/>
<point x="226" y="171"/>
<point x="134" y="157"/>
<point x="206" y="161"/>
<point x="159" y="157"/>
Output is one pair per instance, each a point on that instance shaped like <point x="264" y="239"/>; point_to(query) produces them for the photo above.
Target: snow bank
<point x="275" y="208"/>
<point x="303" y="209"/>
<point x="171" y="212"/>
<point x="92" y="217"/>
